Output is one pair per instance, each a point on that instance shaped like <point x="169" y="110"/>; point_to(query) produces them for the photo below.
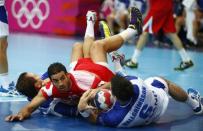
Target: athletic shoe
<point x="115" y="56"/>
<point x="184" y="65"/>
<point x="91" y="16"/>
<point x="131" y="64"/>
<point x="104" y="29"/>
<point x="10" y="92"/>
<point x="135" y="20"/>
<point x="195" y="95"/>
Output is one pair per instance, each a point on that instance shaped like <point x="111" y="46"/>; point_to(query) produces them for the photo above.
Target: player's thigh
<point x="98" y="52"/>
<point x="77" y="51"/>
<point x="169" y="24"/>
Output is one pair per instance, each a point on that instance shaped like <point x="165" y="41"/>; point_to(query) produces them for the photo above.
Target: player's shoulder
<point x="133" y="78"/>
<point x="48" y="86"/>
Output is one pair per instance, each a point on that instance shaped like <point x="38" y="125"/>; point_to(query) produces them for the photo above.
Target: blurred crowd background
<point x="67" y="17"/>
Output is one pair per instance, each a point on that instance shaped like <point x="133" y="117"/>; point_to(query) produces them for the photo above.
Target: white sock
<point x="118" y="68"/>
<point x="89" y="29"/>
<point x="117" y="65"/>
<point x="4" y="81"/>
<point x="192" y="103"/>
<point x="136" y="55"/>
<point x="128" y="33"/>
<point x="184" y="55"/>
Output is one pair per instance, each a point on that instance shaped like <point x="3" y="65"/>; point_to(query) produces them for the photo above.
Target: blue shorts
<point x="200" y="4"/>
<point x="4" y="31"/>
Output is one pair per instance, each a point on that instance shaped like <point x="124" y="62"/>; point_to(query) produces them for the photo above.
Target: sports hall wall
<point x="61" y="17"/>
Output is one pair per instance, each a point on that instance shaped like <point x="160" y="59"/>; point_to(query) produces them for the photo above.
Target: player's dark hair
<point x="121" y="88"/>
<point x="26" y="85"/>
<point x="56" y="68"/>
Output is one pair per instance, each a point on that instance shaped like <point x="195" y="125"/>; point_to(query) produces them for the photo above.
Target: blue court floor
<point x="34" y="53"/>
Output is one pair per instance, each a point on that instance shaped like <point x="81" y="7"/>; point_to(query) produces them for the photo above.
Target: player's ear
<point x="38" y="85"/>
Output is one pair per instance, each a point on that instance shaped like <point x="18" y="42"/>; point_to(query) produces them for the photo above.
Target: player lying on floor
<point x="136" y="102"/>
<point x="131" y="101"/>
<point x="90" y="68"/>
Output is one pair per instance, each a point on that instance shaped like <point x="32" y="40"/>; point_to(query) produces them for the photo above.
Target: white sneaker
<point x="195" y="95"/>
<point x="10" y="92"/>
<point x="91" y="16"/>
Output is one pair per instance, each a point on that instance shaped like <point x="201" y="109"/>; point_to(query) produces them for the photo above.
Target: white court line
<point x="11" y="99"/>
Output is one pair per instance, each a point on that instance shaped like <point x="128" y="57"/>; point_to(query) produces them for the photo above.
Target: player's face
<point x="39" y="82"/>
<point x="61" y="81"/>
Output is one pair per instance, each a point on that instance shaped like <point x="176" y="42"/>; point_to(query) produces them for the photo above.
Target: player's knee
<point x="97" y="46"/>
<point x="3" y="44"/>
<point x="145" y="34"/>
<point x="77" y="46"/>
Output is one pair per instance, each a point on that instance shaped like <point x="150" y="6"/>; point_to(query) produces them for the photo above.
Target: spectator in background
<point x="198" y="21"/>
<point x="116" y="12"/>
<point x="6" y="88"/>
<point x="160" y="16"/>
<point x="190" y="6"/>
<point x="189" y="16"/>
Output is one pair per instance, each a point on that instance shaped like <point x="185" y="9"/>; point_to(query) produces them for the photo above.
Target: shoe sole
<point x="182" y="69"/>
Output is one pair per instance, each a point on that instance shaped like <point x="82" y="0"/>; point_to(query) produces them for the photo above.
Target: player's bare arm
<point x="86" y="110"/>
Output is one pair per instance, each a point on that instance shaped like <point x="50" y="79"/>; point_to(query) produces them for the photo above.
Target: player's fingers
<point x="93" y="93"/>
<point x="13" y="118"/>
<point x="86" y="94"/>
<point x="21" y="118"/>
<point x="91" y="107"/>
<point x="8" y="118"/>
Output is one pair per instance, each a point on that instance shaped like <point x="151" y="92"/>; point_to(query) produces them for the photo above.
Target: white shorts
<point x="160" y="87"/>
<point x="4" y="31"/>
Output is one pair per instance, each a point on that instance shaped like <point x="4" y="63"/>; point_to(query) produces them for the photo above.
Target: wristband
<point x="85" y="113"/>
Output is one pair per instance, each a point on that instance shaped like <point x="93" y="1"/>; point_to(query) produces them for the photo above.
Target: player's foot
<point x="91" y="16"/>
<point x="135" y="20"/>
<point x="195" y="95"/>
<point x="104" y="30"/>
<point x="129" y="63"/>
<point x="10" y="92"/>
<point x="184" y="65"/>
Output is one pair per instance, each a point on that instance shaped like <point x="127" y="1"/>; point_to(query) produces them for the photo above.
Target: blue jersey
<point x="4" y="31"/>
<point x="200" y="4"/>
<point x="58" y="108"/>
<point x="2" y="2"/>
<point x="3" y="15"/>
<point x="144" y="107"/>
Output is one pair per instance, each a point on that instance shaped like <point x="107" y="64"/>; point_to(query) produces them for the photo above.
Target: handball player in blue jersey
<point x="137" y="102"/>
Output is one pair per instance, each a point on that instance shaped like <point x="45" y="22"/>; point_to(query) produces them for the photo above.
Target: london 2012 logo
<point x="25" y="11"/>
